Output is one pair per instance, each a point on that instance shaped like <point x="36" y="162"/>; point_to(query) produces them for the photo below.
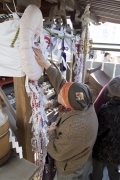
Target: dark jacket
<point x="100" y="100"/>
<point x="72" y="141"/>
<point x="107" y="146"/>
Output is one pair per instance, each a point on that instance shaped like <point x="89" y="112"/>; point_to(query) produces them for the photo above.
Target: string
<point x="9" y="8"/>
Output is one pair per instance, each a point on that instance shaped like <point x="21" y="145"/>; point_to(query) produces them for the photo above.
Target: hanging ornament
<point x="39" y="127"/>
<point x="77" y="68"/>
<point x="63" y="65"/>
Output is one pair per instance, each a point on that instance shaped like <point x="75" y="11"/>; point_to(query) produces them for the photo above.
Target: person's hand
<point x="52" y="126"/>
<point x="40" y="58"/>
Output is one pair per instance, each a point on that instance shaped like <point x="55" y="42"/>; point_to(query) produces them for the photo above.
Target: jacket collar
<point x="63" y="117"/>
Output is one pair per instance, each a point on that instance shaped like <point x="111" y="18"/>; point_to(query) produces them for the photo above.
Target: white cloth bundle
<point x="10" y="64"/>
<point x="20" y="59"/>
<point x="31" y="25"/>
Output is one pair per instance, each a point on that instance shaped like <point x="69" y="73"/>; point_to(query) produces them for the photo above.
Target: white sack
<point x="10" y="64"/>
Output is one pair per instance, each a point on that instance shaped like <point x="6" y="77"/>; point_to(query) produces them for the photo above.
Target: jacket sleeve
<point x="102" y="120"/>
<point x="58" y="147"/>
<point x="56" y="78"/>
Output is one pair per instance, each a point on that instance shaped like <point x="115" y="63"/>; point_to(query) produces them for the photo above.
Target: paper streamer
<point x="15" y="144"/>
<point x="39" y="127"/>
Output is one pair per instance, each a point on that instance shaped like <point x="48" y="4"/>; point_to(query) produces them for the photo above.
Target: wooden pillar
<point x="0" y="103"/>
<point x="23" y="113"/>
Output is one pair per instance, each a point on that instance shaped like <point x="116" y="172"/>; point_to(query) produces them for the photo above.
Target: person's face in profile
<point x="108" y="57"/>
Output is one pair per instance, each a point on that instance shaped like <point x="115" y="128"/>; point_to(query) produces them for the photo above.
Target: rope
<point x="9" y="8"/>
<point x="61" y="37"/>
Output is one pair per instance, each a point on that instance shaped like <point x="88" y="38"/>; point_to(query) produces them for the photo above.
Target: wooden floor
<point x="17" y="169"/>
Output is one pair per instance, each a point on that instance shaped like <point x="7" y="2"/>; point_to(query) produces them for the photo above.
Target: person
<point x="106" y="151"/>
<point x="107" y="57"/>
<point x="72" y="138"/>
<point x="91" y="55"/>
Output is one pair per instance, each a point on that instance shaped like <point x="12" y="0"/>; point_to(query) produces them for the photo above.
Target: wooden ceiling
<point x="101" y="10"/>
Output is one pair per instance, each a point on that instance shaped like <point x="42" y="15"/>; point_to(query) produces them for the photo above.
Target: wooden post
<point x="0" y="103"/>
<point x="23" y="113"/>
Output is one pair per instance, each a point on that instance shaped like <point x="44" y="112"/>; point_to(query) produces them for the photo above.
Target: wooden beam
<point x="52" y="1"/>
<point x="105" y="49"/>
<point x="105" y="19"/>
<point x="104" y="2"/>
<point x="45" y="8"/>
<point x="6" y="1"/>
<point x="108" y="9"/>
<point x="106" y="14"/>
<point x="23" y="112"/>
<point x="25" y="3"/>
<point x="105" y="6"/>
<point x="105" y="44"/>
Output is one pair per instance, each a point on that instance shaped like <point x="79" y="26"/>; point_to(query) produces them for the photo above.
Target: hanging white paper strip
<point x="15" y="144"/>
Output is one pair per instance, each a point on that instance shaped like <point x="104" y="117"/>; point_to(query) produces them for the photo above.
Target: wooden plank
<point x="17" y="169"/>
<point x="23" y="112"/>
